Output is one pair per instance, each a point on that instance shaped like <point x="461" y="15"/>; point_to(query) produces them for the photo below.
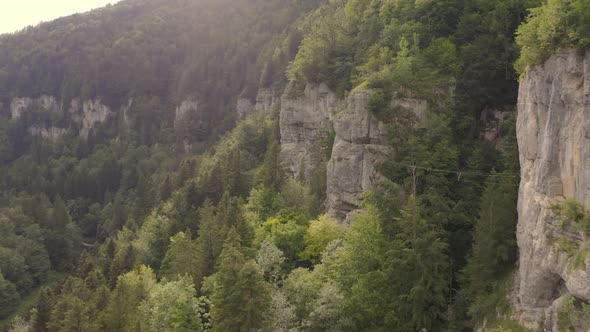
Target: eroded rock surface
<point x="244" y="107"/>
<point x="305" y="128"/>
<point x="553" y="129"/>
<point x="19" y="106"/>
<point x="359" y="147"/>
<point x="88" y="114"/>
<point x="184" y="111"/>
<point x="50" y="134"/>
<point x="267" y="99"/>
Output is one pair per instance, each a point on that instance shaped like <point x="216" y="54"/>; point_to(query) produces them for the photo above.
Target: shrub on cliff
<point x="553" y="25"/>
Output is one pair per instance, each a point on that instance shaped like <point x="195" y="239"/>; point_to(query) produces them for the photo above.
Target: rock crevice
<point x="340" y="138"/>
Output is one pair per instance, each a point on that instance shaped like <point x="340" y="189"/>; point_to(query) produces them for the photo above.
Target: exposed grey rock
<point x="244" y="107"/>
<point x="45" y="103"/>
<point x="359" y="147"/>
<point x="553" y="130"/>
<point x="88" y="114"/>
<point x="493" y="120"/>
<point x="126" y="119"/>
<point x="417" y="106"/>
<point x="18" y="106"/>
<point x="186" y="108"/>
<point x="49" y="103"/>
<point x="267" y="99"/>
<point x="50" y="134"/>
<point x="305" y="124"/>
<point x="185" y="115"/>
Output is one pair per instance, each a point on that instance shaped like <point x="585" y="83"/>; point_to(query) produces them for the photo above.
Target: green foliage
<point x="553" y="25"/>
<point x="123" y="310"/>
<point x="62" y="237"/>
<point x="572" y="213"/>
<point x="568" y="246"/>
<point x="359" y="267"/>
<point x="81" y="305"/>
<point x="319" y="234"/>
<point x="241" y="298"/>
<point x="419" y="256"/>
<point x="508" y="325"/>
<point x="286" y="231"/>
<point x="9" y="297"/>
<point x="270" y="260"/>
<point x="494" y="248"/>
<point x="324" y="54"/>
<point x="183" y="258"/>
<point x="327" y="313"/>
<point x="301" y="287"/>
<point x="282" y="316"/>
<point x="150" y="188"/>
<point x="572" y="314"/>
<point x="172" y="306"/>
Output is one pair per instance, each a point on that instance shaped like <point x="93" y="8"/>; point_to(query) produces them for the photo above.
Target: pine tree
<point x="172" y="306"/>
<point x="419" y="266"/>
<point x="9" y="297"/>
<point x="183" y="258"/>
<point x="271" y="174"/>
<point x="359" y="266"/>
<point x="211" y="237"/>
<point x="241" y="298"/>
<point x="62" y="237"/>
<point x="494" y="246"/>
<point x="132" y="288"/>
<point x="44" y="305"/>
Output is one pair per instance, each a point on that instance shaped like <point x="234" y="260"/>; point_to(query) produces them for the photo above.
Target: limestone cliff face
<point x="359" y="146"/>
<point x="553" y="129"/>
<point x="267" y="99"/>
<point x="317" y="123"/>
<point x="19" y="106"/>
<point x="50" y="134"/>
<point x="304" y="124"/>
<point x="86" y="114"/>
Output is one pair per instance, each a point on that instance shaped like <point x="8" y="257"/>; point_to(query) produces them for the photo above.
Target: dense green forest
<point x="128" y="230"/>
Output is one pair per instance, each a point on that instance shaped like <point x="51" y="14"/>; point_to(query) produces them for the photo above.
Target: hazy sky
<point x="17" y="14"/>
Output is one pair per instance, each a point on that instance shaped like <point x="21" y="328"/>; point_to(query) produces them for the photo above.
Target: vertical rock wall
<point x="305" y="124"/>
<point x="553" y="131"/>
<point x="359" y="146"/>
<point x="340" y="137"/>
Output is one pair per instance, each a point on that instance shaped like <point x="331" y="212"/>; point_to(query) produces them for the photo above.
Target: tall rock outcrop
<point x="305" y="124"/>
<point x="88" y="114"/>
<point x="85" y="114"/>
<point x="339" y="139"/>
<point x="553" y="131"/>
<point x="359" y="146"/>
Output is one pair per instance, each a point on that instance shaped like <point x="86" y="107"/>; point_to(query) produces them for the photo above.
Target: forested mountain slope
<point x="273" y="165"/>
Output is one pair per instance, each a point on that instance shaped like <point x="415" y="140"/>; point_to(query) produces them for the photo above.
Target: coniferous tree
<point x="44" y="305"/>
<point x="123" y="308"/>
<point x="62" y="237"/>
<point x="183" y="258"/>
<point x="419" y="267"/>
<point x="241" y="298"/>
<point x="9" y="297"/>
<point x="211" y="237"/>
<point x="172" y="306"/>
<point x="494" y="246"/>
